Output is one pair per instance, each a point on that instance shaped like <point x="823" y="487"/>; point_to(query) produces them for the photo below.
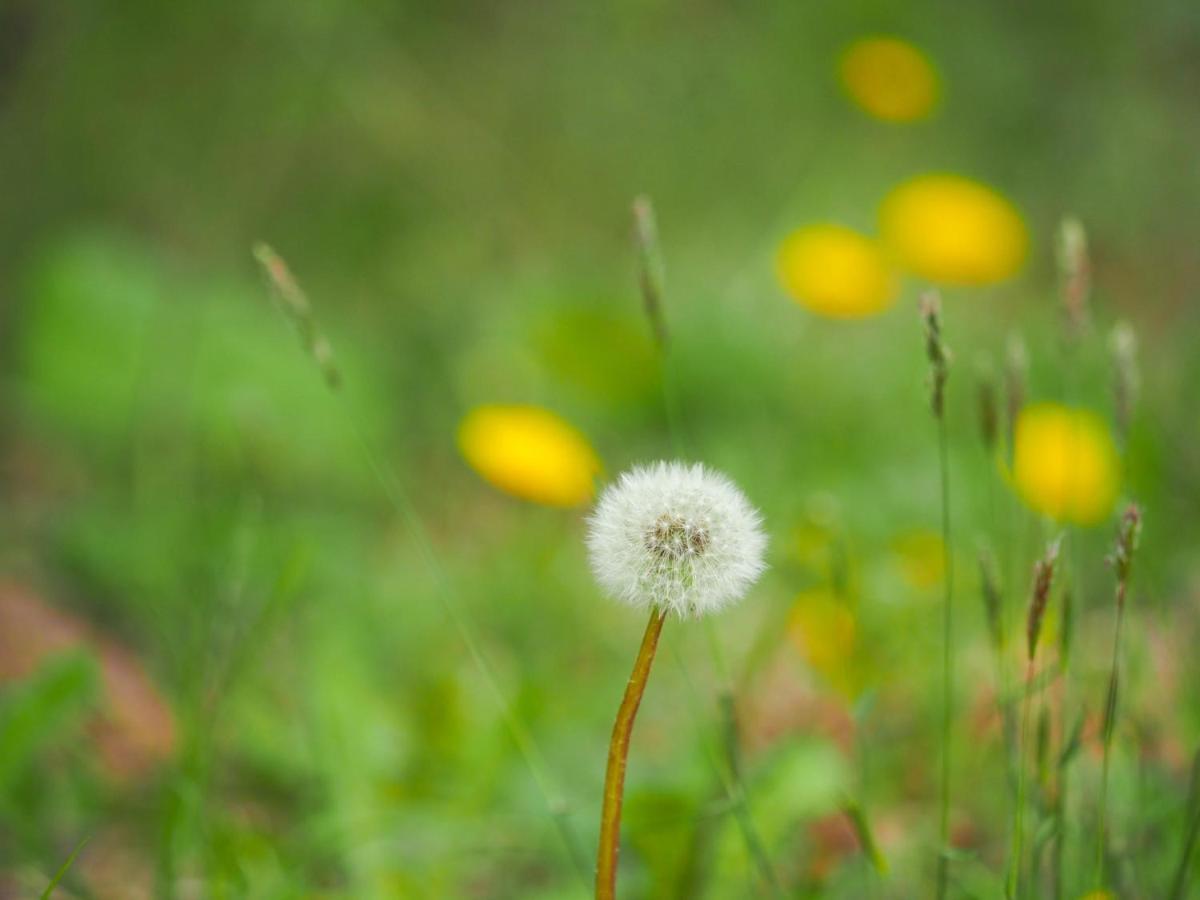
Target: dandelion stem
<point x="618" y="755"/>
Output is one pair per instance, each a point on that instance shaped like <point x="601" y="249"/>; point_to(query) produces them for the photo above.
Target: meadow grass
<point x="391" y="676"/>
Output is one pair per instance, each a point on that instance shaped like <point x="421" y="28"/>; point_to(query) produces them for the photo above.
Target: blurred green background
<point x="227" y="661"/>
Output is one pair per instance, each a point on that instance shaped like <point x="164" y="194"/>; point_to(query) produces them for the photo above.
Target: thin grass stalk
<point x="1110" y="711"/>
<point x="618" y="756"/>
<point x="64" y="868"/>
<point x="938" y="355"/>
<point x="652" y="283"/>
<point x="732" y="770"/>
<point x="1013" y="884"/>
<point x="294" y="303"/>
<point x="1075" y="288"/>
<point x="1042" y="582"/>
<point x="994" y="607"/>
<point x="723" y="759"/>
<point x="992" y="586"/>
<point x="947" y="663"/>
<point x="1122" y="561"/>
<point x="1191" y="812"/>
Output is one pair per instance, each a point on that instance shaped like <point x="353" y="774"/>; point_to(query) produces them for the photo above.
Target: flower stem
<point x="618" y="754"/>
<point x="947" y="664"/>
<point x="1013" y="885"/>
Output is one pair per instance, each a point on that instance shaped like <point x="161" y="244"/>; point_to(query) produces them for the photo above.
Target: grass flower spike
<point x="672" y="538"/>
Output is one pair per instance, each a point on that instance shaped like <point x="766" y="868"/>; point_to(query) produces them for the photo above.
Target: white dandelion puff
<point x="677" y="537"/>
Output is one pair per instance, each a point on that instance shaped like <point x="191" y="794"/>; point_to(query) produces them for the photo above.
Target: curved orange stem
<point x="618" y="754"/>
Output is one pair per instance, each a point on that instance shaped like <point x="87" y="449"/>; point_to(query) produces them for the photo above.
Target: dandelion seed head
<point x="675" y="536"/>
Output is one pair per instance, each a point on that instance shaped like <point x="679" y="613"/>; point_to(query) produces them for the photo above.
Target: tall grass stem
<point x="294" y="304"/>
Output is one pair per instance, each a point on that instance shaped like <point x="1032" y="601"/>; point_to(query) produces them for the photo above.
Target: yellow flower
<point x="953" y="230"/>
<point x="1065" y="464"/>
<point x="824" y="629"/>
<point x="530" y="453"/>
<point x="921" y="555"/>
<point x="836" y="272"/>
<point x="889" y="78"/>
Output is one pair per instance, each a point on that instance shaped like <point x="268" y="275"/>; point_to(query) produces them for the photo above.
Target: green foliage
<point x="451" y="184"/>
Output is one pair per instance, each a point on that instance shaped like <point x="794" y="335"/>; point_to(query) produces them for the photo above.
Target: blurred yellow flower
<point x="530" y="453"/>
<point x="836" y="272"/>
<point x="1097" y="895"/>
<point x="921" y="555"/>
<point x="824" y="629"/>
<point x="953" y="230"/>
<point x="1065" y="464"/>
<point x="889" y="78"/>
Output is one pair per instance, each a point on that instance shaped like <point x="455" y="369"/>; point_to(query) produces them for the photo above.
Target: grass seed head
<point x="1121" y="559"/>
<point x="1075" y="275"/>
<point x="295" y="306"/>
<point x="992" y="597"/>
<point x="1126" y="380"/>
<point x="1043" y="580"/>
<point x="989" y="411"/>
<point x="936" y="351"/>
<point x="651" y="272"/>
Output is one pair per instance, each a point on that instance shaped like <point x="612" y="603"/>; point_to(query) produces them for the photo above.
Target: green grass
<point x="452" y="186"/>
